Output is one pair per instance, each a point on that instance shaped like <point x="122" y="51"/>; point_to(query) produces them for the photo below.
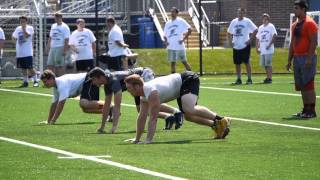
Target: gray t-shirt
<point x="168" y="87"/>
<point x="116" y="80"/>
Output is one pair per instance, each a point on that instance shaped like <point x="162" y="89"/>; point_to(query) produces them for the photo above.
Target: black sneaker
<point x="237" y="82"/>
<point x="249" y="81"/>
<point x="179" y="119"/>
<point x="24" y="84"/>
<point x="299" y="113"/>
<point x="169" y="122"/>
<point x="267" y="81"/>
<point x="308" y="115"/>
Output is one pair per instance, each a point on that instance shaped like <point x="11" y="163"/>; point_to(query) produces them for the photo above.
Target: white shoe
<point x="35" y="84"/>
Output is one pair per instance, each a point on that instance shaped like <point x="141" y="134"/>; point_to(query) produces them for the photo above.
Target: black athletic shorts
<point x="84" y="65"/>
<point x="115" y="63"/>
<point x="190" y="84"/>
<point x="241" y="55"/>
<point x="89" y="91"/>
<point x="25" y="62"/>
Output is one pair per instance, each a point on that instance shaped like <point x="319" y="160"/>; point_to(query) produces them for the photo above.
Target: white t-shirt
<point x="68" y="85"/>
<point x="168" y="87"/>
<point x="83" y="40"/>
<point x="174" y="30"/>
<point x="2" y="37"/>
<point x="23" y="44"/>
<point x="58" y="34"/>
<point x="264" y="35"/>
<point x="115" y="34"/>
<point x="240" y="31"/>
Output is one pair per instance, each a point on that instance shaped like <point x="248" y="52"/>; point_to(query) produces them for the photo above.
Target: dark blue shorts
<point x="115" y="63"/>
<point x="25" y="62"/>
<point x="89" y="91"/>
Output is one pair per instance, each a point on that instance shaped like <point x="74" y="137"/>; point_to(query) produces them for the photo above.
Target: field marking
<point x="80" y="157"/>
<point x="253" y="91"/>
<point x="235" y="118"/>
<point x="92" y="158"/>
<point x="275" y="124"/>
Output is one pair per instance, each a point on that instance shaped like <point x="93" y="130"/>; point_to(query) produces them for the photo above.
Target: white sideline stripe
<point x="253" y="91"/>
<point x="235" y="118"/>
<point x="275" y="124"/>
<point x="94" y="159"/>
<point x="79" y="157"/>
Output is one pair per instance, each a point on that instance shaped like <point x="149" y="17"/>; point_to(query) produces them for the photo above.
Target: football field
<point x="265" y="141"/>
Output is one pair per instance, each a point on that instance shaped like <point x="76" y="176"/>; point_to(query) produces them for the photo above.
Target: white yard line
<point x="235" y="118"/>
<point x="81" y="157"/>
<point x="252" y="91"/>
<point x="92" y="158"/>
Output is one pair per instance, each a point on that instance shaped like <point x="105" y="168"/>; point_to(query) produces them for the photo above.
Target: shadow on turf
<point x="67" y="124"/>
<point x="293" y="118"/>
<point x="189" y="141"/>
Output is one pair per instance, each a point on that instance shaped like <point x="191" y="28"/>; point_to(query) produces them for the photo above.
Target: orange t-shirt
<point x="301" y="44"/>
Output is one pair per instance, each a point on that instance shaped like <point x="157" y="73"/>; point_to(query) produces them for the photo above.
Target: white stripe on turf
<point x="80" y="157"/>
<point x="252" y="91"/>
<point x="91" y="158"/>
<point x="235" y="118"/>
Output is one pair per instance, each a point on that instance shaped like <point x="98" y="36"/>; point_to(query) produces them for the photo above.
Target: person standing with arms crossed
<point x="303" y="53"/>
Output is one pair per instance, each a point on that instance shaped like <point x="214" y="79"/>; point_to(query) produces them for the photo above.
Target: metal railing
<point x="194" y="14"/>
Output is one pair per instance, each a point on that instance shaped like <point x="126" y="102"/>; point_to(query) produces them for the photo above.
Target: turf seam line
<point x="94" y="159"/>
<point x="235" y="118"/>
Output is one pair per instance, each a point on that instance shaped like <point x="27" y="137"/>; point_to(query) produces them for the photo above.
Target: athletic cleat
<point x="179" y="119"/>
<point x="249" y="81"/>
<point x="308" y="115"/>
<point x="267" y="81"/>
<point x="169" y="122"/>
<point x="222" y="128"/>
<point x="35" y="84"/>
<point x="24" y="84"/>
<point x="298" y="115"/>
<point x="237" y="82"/>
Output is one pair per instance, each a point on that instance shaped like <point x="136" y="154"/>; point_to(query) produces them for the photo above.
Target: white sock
<point x="34" y="78"/>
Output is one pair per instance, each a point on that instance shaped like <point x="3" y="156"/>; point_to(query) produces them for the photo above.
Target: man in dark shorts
<point x="114" y="86"/>
<point x="23" y="36"/>
<point x="303" y="52"/>
<point x="185" y="88"/>
<point x="242" y="31"/>
<point x="82" y="43"/>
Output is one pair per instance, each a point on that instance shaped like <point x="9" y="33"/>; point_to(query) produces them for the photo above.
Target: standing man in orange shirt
<point x="303" y="52"/>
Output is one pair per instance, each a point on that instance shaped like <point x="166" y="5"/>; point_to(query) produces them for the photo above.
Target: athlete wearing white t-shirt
<point x="23" y="35"/>
<point x="116" y="45"/>
<point x="176" y="31"/>
<point x="185" y="88"/>
<point x="82" y="43"/>
<point x="58" y="45"/>
<point x="241" y="31"/>
<point x="265" y="45"/>
<point x="68" y="86"/>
